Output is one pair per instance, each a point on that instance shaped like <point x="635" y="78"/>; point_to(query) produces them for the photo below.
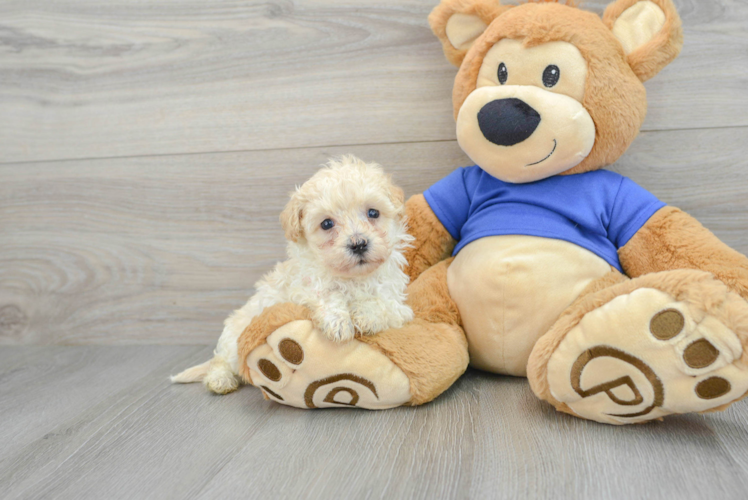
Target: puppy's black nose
<point x="358" y="247"/>
<point x="507" y="122"/>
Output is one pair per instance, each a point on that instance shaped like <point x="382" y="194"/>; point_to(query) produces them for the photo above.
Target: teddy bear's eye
<point x="503" y="74"/>
<point x="551" y="75"/>
<point x="327" y="224"/>
<point x="373" y="213"/>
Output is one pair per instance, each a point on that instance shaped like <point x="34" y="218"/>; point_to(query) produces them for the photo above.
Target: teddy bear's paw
<point x="645" y="355"/>
<point x="298" y="366"/>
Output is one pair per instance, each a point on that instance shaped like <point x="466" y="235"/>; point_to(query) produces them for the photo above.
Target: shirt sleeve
<point x="632" y="208"/>
<point x="450" y="201"/>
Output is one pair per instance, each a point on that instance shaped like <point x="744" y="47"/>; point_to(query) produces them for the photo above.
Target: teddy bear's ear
<point x="458" y="23"/>
<point x="291" y="216"/>
<point x="650" y="32"/>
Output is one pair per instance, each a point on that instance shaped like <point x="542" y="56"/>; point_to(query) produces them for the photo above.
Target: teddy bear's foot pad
<point x="645" y="355"/>
<point x="298" y="366"/>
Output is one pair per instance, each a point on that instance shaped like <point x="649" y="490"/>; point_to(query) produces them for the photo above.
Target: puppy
<point x="346" y="231"/>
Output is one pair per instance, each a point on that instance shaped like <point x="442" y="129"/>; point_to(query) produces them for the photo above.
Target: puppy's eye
<point x="373" y="213"/>
<point x="551" y="75"/>
<point x="327" y="224"/>
<point x="503" y="74"/>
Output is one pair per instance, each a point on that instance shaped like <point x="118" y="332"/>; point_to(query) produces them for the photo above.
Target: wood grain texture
<point x="161" y="249"/>
<point x="83" y="79"/>
<point x="40" y="388"/>
<point x="487" y="437"/>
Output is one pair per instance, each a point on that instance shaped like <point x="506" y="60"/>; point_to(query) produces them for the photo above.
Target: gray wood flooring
<point x="146" y="149"/>
<point x="102" y="422"/>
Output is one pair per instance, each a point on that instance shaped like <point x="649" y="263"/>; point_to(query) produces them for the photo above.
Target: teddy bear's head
<point x="546" y="88"/>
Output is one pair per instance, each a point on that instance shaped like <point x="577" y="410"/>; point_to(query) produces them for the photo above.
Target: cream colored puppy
<point x="347" y="233"/>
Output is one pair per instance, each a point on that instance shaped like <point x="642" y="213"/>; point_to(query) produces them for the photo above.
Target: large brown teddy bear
<point x="535" y="262"/>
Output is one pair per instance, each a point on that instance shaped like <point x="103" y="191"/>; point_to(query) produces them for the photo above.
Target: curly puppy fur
<point x="347" y="235"/>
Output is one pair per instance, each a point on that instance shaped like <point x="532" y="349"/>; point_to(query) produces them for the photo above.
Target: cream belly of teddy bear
<point x="511" y="289"/>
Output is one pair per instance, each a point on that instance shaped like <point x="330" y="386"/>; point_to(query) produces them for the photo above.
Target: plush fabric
<point x="649" y="58"/>
<point x="431" y="371"/>
<point x="432" y="355"/>
<point x="614" y="95"/>
<point x="484" y="10"/>
<point x="433" y="242"/>
<point x="500" y="129"/>
<point x="262" y="326"/>
<point x="672" y="239"/>
<point x="696" y="289"/>
<point x="320" y="373"/>
<point x="510" y="290"/>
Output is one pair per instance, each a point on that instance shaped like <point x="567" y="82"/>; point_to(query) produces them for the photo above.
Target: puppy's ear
<point x="459" y="23"/>
<point x="650" y="32"/>
<point x="397" y="197"/>
<point x="291" y="217"/>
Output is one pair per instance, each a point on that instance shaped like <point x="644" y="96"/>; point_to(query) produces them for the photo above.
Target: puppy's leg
<point x="221" y="374"/>
<point x="336" y="325"/>
<point x="223" y="370"/>
<point x="220" y="377"/>
<point x="372" y="317"/>
<point x="215" y="374"/>
<point x="331" y="316"/>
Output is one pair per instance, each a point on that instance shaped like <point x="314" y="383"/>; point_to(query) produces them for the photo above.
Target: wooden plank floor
<point x="146" y="149"/>
<point x="102" y="422"/>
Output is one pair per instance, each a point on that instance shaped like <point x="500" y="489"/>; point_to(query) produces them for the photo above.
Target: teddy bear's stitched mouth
<point x="555" y="144"/>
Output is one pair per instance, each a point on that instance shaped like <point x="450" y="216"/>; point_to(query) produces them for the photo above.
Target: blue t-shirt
<point x="599" y="211"/>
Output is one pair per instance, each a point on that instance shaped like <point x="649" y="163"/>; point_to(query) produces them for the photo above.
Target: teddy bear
<point x="536" y="262"/>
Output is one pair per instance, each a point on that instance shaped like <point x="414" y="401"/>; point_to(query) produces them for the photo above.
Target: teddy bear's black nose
<point x="507" y="122"/>
<point x="358" y="247"/>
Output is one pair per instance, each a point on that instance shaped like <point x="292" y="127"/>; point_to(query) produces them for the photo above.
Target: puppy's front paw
<point x="369" y="325"/>
<point x="370" y="321"/>
<point x="337" y="328"/>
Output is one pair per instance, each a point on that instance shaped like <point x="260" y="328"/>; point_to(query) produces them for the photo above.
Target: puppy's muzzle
<point x="358" y="246"/>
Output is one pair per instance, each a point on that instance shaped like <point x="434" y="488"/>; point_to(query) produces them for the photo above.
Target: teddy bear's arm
<point x="432" y="244"/>
<point x="672" y="239"/>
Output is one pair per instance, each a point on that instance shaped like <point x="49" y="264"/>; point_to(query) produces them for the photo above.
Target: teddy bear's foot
<point x="665" y="343"/>
<point x="297" y="365"/>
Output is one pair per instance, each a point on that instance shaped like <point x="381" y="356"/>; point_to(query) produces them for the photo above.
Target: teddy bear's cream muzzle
<point x="522" y="133"/>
